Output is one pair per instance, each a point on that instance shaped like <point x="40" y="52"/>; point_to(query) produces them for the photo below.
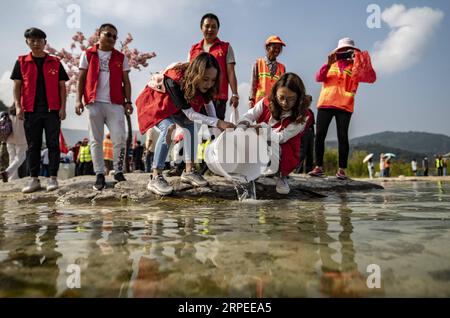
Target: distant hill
<point x="416" y="142"/>
<point x="377" y="149"/>
<point x="406" y="145"/>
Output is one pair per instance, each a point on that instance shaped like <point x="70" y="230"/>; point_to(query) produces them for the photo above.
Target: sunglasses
<point x="110" y="35"/>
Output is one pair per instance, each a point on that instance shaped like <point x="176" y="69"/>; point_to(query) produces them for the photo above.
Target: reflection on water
<point x="319" y="248"/>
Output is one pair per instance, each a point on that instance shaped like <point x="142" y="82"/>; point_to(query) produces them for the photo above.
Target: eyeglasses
<point x="288" y="100"/>
<point x="110" y="35"/>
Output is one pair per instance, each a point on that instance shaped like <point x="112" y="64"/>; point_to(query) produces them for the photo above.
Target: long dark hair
<point x="195" y="73"/>
<point x="294" y="83"/>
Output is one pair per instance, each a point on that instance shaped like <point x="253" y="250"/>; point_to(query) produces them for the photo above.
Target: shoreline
<point x="405" y="179"/>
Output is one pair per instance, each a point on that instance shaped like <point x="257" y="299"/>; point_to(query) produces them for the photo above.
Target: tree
<point x="71" y="59"/>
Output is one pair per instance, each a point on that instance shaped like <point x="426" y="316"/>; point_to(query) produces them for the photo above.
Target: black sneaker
<point x="119" y="177"/>
<point x="100" y="183"/>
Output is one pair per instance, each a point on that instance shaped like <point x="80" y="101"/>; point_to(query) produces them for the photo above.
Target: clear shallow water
<point x="317" y="248"/>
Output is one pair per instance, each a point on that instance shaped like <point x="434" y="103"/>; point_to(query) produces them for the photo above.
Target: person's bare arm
<point x="63" y="98"/>
<point x="233" y="84"/>
<point x="79" y="108"/>
<point x="16" y="92"/>
<point x="127" y="92"/>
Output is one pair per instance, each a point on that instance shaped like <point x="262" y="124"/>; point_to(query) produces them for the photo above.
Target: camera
<point x="345" y="55"/>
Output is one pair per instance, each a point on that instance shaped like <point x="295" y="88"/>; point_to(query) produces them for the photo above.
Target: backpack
<point x="5" y="127"/>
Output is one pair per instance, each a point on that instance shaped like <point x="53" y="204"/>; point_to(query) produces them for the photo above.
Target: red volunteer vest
<point x="153" y="106"/>
<point x="290" y="150"/>
<point x="219" y="50"/>
<point x="115" y="76"/>
<point x="29" y="72"/>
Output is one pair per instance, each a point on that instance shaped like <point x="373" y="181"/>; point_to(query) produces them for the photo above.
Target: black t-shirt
<point x="40" y="102"/>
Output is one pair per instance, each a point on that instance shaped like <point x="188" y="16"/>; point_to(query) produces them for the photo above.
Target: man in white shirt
<point x="105" y="86"/>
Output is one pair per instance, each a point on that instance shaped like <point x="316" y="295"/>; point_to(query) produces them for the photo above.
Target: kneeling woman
<point x="287" y="112"/>
<point x="176" y="97"/>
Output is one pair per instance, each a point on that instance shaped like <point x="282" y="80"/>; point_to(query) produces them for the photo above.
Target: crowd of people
<point x="184" y="93"/>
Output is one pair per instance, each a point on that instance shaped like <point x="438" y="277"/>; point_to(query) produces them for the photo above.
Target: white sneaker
<point x="282" y="186"/>
<point x="52" y="184"/>
<point x="159" y="186"/>
<point x="32" y="186"/>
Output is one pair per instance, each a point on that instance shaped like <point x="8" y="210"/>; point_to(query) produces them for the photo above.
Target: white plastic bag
<point x="234" y="116"/>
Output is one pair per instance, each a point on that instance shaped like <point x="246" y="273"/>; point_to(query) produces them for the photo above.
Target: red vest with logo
<point x="219" y="50"/>
<point x="115" y="76"/>
<point x="29" y="72"/>
<point x="290" y="150"/>
<point x="154" y="106"/>
<point x="265" y="79"/>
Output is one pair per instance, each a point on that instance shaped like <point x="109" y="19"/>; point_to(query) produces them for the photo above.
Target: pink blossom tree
<point x="136" y="59"/>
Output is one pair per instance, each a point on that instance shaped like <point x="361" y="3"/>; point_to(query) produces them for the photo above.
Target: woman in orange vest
<point x="224" y="54"/>
<point x="266" y="71"/>
<point x="286" y="112"/>
<point x="177" y="97"/>
<point x="347" y="66"/>
<point x="40" y="101"/>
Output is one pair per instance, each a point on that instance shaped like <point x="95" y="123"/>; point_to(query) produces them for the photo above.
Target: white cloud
<point x="406" y="43"/>
<point x="6" y="89"/>
<point x="142" y="12"/>
<point x="50" y="12"/>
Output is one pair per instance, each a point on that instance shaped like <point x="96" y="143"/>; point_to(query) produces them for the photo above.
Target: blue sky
<point x="412" y="91"/>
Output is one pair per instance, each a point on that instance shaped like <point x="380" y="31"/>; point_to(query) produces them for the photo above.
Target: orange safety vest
<point x="108" y="149"/>
<point x="265" y="80"/>
<point x="219" y="50"/>
<point x="339" y="89"/>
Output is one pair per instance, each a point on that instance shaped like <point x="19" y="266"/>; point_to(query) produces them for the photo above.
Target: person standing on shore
<point x="224" y="54"/>
<point x="346" y="67"/>
<point x="266" y="71"/>
<point x="104" y="88"/>
<point x="425" y="166"/>
<point x="40" y="101"/>
<point x="414" y="166"/>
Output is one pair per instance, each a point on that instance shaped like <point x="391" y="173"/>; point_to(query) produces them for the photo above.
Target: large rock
<point x="79" y="190"/>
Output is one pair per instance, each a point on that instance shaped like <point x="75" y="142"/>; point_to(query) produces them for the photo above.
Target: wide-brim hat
<point x="274" y="39"/>
<point x="345" y="43"/>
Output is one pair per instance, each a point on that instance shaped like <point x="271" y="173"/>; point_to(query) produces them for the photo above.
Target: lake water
<point x="326" y="247"/>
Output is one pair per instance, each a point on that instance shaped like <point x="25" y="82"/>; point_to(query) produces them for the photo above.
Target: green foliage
<point x="357" y="169"/>
<point x="330" y="161"/>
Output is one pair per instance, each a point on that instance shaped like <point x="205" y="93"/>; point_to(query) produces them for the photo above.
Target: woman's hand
<point x="225" y="125"/>
<point x="332" y="59"/>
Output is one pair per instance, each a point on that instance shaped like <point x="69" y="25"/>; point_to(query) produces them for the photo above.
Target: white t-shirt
<point x="103" y="94"/>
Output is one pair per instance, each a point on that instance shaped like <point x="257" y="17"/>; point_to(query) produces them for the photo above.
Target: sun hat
<point x="345" y="42"/>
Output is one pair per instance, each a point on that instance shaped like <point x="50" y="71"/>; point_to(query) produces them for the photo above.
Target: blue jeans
<point x="189" y="140"/>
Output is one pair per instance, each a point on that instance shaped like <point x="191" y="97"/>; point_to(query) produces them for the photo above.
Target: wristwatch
<point x="235" y="95"/>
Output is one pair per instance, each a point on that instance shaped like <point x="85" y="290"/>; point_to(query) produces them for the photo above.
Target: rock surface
<point x="79" y="190"/>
